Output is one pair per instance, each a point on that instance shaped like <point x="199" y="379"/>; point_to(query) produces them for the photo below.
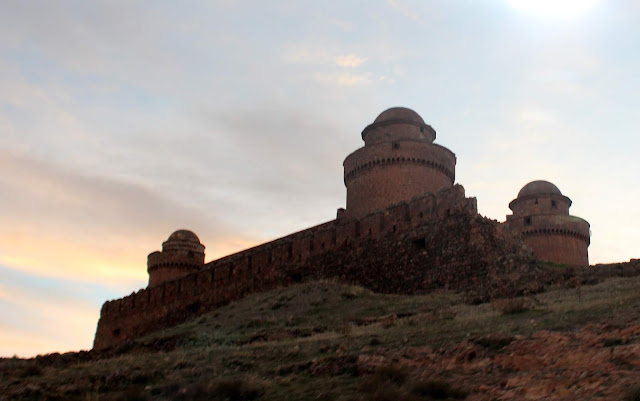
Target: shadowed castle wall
<point x="430" y="242"/>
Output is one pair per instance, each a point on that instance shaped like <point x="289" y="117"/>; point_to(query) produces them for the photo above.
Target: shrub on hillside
<point x="231" y="389"/>
<point x="394" y="374"/>
<point x="511" y="306"/>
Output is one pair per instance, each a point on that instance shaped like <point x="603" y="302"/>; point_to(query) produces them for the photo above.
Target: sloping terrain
<point x="325" y="341"/>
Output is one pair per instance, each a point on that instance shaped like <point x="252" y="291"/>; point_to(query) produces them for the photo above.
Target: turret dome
<point x="399" y="113"/>
<point x="184" y="235"/>
<point x="398" y="123"/>
<point x="539" y="187"/>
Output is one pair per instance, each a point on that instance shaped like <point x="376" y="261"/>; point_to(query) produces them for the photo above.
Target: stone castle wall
<point x="431" y="242"/>
<point x="560" y="246"/>
<point x="386" y="173"/>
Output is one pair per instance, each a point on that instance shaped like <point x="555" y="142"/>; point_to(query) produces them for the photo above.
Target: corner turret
<point x="541" y="214"/>
<point x="182" y="253"/>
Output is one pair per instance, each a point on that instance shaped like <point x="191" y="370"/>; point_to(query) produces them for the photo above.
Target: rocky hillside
<point x="325" y="341"/>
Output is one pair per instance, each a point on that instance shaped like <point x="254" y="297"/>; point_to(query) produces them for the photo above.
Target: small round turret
<point x="541" y="214"/>
<point x="182" y="253"/>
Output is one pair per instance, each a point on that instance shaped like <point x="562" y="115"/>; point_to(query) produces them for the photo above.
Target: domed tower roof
<point x="183" y="240"/>
<point x="184" y="235"/>
<point x="399" y="113"/>
<point x="398" y="123"/>
<point x="530" y="200"/>
<point x="539" y="187"/>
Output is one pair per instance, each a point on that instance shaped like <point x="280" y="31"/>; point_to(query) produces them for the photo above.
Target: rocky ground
<point x="325" y="341"/>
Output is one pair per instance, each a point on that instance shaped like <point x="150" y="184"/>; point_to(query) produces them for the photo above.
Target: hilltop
<point x="321" y="340"/>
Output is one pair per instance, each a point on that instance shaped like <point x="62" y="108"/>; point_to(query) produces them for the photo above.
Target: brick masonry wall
<point x="555" y="238"/>
<point x="437" y="241"/>
<point x="386" y="173"/>
<point x="562" y="248"/>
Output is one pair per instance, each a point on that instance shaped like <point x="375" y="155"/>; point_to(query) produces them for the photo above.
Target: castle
<point x="406" y="228"/>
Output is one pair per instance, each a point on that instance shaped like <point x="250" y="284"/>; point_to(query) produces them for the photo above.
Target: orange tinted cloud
<point x="62" y="224"/>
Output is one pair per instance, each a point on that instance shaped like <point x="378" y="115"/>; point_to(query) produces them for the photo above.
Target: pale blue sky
<point x="121" y="121"/>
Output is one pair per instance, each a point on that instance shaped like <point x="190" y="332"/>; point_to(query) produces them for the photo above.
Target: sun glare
<point x="553" y="8"/>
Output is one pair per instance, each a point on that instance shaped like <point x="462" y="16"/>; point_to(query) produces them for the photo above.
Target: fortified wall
<point x="406" y="229"/>
<point x="434" y="241"/>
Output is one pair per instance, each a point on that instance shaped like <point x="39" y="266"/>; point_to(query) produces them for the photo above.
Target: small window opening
<point x="527" y="221"/>
<point x="553" y="203"/>
<point x="369" y="232"/>
<point x="116" y="332"/>
<point x="270" y="258"/>
<point x="421" y="215"/>
<point x="421" y="129"/>
<point x="394" y="228"/>
<point x="536" y="201"/>
<point x="420" y="243"/>
<point x="395" y="145"/>
<point x="194" y="307"/>
<point x="290" y="251"/>
<point x="448" y="212"/>
<point x="190" y="254"/>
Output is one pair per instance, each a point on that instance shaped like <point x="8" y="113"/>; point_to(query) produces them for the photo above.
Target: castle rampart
<point x="285" y="260"/>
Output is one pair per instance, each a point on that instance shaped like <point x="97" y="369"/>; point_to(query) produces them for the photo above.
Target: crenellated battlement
<point x="298" y="247"/>
<point x="275" y="263"/>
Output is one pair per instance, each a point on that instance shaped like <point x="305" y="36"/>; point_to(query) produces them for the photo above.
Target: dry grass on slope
<point x="326" y="341"/>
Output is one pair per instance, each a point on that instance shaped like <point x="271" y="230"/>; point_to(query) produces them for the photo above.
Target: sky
<point x="122" y="121"/>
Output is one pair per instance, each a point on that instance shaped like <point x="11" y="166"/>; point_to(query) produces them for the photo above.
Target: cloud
<point x="65" y="224"/>
<point x="320" y="54"/>
<point x="344" y="25"/>
<point x="405" y="10"/>
<point x="306" y="53"/>
<point x="350" y="60"/>
<point x="536" y="115"/>
<point x="344" y="79"/>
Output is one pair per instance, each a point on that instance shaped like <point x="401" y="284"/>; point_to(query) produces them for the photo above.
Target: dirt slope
<point x="325" y="341"/>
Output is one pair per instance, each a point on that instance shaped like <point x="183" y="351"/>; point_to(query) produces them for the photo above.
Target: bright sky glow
<point x="121" y="122"/>
<point x="554" y="8"/>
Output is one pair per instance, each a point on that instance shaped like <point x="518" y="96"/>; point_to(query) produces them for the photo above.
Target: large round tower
<point x="541" y="214"/>
<point x="182" y="253"/>
<point x="398" y="162"/>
